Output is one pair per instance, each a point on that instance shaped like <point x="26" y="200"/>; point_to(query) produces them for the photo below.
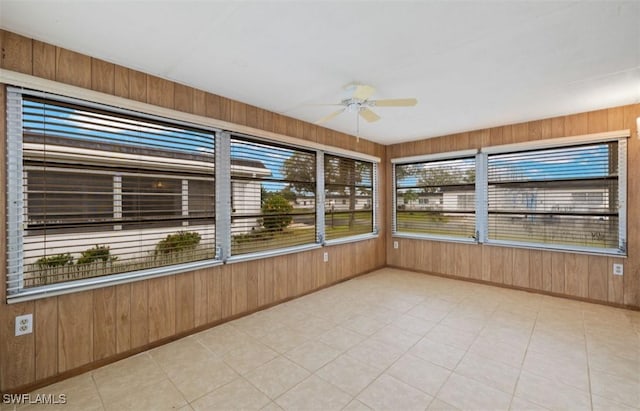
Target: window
<point x="269" y="184"/>
<point x="561" y="197"/>
<point x="106" y="192"/>
<point x="348" y="197"/>
<point x="436" y="198"/>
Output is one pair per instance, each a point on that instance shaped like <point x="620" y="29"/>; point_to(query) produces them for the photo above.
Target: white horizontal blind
<point x="273" y="196"/>
<point x="348" y="197"/>
<point x="436" y="198"/>
<point x="108" y="193"/>
<point x="566" y="197"/>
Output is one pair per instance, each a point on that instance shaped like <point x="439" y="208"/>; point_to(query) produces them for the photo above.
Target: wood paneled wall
<point x="570" y="274"/>
<point x="79" y="329"/>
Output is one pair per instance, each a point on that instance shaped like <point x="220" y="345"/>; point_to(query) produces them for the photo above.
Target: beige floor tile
<point x="277" y="376"/>
<point x="127" y="377"/>
<point x="222" y="339"/>
<point x="604" y="404"/>
<point x="80" y="393"/>
<point x="467" y="394"/>
<point x="382" y="314"/>
<point x="388" y="393"/>
<point x="486" y="371"/>
<point x="396" y="337"/>
<point x="185" y="352"/>
<point x="363" y="324"/>
<point x="614" y="388"/>
<point x="341" y="339"/>
<point x="312" y="327"/>
<point x="551" y="394"/>
<point x="272" y="406"/>
<point x="160" y="396"/>
<point x="439" y="354"/>
<point x="451" y="336"/>
<point x="518" y="404"/>
<point x="257" y="325"/>
<point x="419" y="373"/>
<point x="375" y="353"/>
<point x="284" y="339"/>
<point x="439" y="405"/>
<point x="413" y="324"/>
<point x="356" y="405"/>
<point x="312" y="355"/>
<point x="195" y="380"/>
<point x="237" y="395"/>
<point x="427" y="313"/>
<point x="313" y="394"/>
<point x="568" y="372"/>
<point x="248" y="357"/>
<point x="510" y="354"/>
<point x="348" y="374"/>
<point x="615" y="365"/>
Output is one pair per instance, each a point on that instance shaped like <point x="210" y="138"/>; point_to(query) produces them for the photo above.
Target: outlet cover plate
<point x="395" y="245"/>
<point x="326" y="257"/>
<point x="24" y="324"/>
<point x="618" y="269"/>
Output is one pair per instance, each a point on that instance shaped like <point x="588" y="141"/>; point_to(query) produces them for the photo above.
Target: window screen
<point x="348" y="197"/>
<point x="562" y="196"/>
<point x="108" y="193"/>
<point x="436" y="198"/>
<point x="273" y="196"/>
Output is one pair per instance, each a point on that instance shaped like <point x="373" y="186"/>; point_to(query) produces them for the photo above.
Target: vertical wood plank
<point x="45" y="329"/>
<point x="520" y="267"/>
<point x="226" y="291"/>
<point x="268" y="291"/>
<point x="162" y="307"/>
<point x="557" y="273"/>
<point x="281" y="271"/>
<point x="160" y="92"/>
<point x="73" y="68"/>
<point x="199" y="102"/>
<point x="253" y="268"/>
<point x="104" y="323"/>
<point x="138" y="86"/>
<point x="139" y="313"/>
<point x="547" y="271"/>
<point x="19" y="367"/>
<point x="121" y="80"/>
<point x="183" y="98"/>
<point x="615" y="287"/>
<point x="75" y="330"/>
<point x="577" y="275"/>
<point x="17" y="53"/>
<point x="123" y="318"/>
<point x="486" y="263"/>
<point x="475" y="261"/>
<point x="214" y="294"/>
<point x="597" y="121"/>
<point x="102" y="76"/>
<point x="201" y="299"/>
<point x="598" y="281"/>
<point x="497" y="265"/>
<point x="185" y="301"/>
<point x="44" y="60"/>
<point x="239" y="288"/>
<point x="535" y="269"/>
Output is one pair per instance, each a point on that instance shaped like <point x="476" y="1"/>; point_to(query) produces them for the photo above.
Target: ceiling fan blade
<point x="394" y="102"/>
<point x="369" y="115"/>
<point x="363" y="92"/>
<point x="330" y="116"/>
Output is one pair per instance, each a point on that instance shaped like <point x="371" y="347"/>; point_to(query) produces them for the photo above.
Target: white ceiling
<point x="471" y="65"/>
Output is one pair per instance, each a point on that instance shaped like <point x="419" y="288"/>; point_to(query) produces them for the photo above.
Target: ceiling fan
<point x="359" y="103"/>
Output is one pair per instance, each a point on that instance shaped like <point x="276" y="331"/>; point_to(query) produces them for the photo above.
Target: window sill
<point x="432" y="237"/>
<point x="271" y="253"/>
<point x="351" y="239"/>
<point x="53" y="290"/>
<point x="558" y="248"/>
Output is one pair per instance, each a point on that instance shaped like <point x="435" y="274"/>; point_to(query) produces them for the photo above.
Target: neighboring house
<point x="334" y="202"/>
<point x="135" y="191"/>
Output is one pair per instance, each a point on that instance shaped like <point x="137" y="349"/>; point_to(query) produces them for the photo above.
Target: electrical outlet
<point x="24" y="324"/>
<point x="618" y="269"/>
<point x="326" y="257"/>
<point x="395" y="245"/>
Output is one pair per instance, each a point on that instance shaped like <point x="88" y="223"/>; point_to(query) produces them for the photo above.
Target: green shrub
<point x="174" y="243"/>
<point x="96" y="254"/>
<point x="57" y="260"/>
<point x="278" y="207"/>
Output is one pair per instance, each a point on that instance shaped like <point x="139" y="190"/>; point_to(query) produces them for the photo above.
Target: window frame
<point x="481" y="208"/>
<point x="452" y="155"/>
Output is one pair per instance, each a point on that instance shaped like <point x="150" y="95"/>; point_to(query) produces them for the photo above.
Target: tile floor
<point x="390" y="340"/>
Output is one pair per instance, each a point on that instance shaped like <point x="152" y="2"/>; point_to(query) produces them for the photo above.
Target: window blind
<point x="348" y="197"/>
<point x="273" y="196"/>
<point x="565" y="196"/>
<point x="436" y="198"/>
<point x="108" y="193"/>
